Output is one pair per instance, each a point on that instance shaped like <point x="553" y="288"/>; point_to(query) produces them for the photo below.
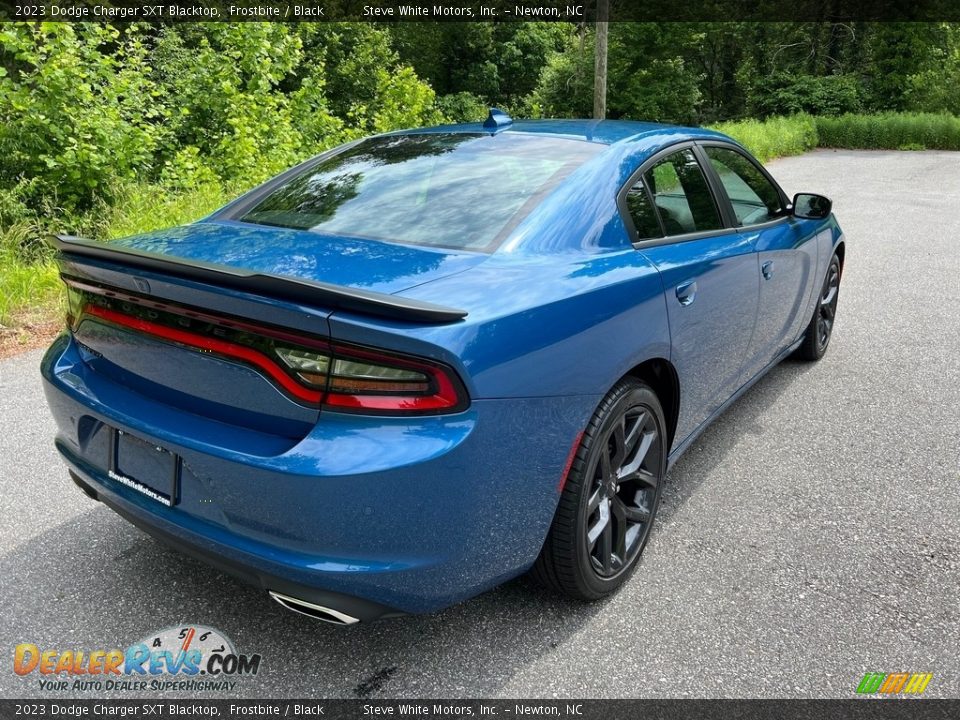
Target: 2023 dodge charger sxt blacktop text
<point x="426" y="362"/>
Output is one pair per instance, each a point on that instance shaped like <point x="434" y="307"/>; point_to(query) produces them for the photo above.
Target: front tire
<point x="610" y="498"/>
<point x="816" y="338"/>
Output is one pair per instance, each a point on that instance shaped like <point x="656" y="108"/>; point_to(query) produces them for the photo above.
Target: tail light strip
<point x="200" y="342"/>
<point x="446" y="393"/>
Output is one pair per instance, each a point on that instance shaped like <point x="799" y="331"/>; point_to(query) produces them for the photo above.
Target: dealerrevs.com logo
<point x="192" y="657"/>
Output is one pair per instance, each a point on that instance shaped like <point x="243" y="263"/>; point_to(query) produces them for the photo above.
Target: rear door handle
<point x="687" y="292"/>
<point x="767" y="269"/>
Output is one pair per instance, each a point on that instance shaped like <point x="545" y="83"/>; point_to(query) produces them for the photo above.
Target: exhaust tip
<point x="317" y="612"/>
<point x="88" y="491"/>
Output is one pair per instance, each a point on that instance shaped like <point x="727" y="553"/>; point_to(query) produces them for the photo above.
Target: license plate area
<point x="147" y="468"/>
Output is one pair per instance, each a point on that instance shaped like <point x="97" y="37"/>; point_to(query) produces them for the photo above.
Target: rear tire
<point x="610" y="498"/>
<point x="816" y="338"/>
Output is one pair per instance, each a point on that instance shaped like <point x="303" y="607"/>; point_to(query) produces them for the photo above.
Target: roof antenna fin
<point x="497" y="119"/>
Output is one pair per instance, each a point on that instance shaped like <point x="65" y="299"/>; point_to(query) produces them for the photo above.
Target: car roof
<point x="604" y="132"/>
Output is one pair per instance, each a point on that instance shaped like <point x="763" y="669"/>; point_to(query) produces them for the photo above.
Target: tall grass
<point x="782" y="136"/>
<point x="890" y="131"/>
<point x="28" y="277"/>
<point x="775" y="137"/>
<point x="144" y="208"/>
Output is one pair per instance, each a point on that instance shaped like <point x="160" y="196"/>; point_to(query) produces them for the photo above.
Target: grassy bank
<point x="784" y="136"/>
<point x="30" y="291"/>
<point x="890" y="131"/>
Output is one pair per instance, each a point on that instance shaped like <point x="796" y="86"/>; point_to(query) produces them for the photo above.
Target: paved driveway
<point x="812" y="534"/>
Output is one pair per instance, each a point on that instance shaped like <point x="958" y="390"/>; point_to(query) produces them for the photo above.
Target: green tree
<point x="496" y="63"/>
<point x="79" y="110"/>
<point x="898" y="52"/>
<point x="649" y="77"/>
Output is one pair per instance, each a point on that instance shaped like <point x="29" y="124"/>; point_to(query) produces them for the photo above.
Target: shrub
<point x="788" y="94"/>
<point x="74" y="117"/>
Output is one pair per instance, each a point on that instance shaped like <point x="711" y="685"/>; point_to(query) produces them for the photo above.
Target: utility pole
<point x="600" y="61"/>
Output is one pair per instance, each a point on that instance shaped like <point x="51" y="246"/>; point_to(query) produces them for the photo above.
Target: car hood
<point x="350" y="262"/>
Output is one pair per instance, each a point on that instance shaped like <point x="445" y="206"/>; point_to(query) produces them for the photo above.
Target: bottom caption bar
<point x="575" y="709"/>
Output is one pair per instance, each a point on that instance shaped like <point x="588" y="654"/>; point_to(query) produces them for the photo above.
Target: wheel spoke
<point x="645" y="444"/>
<point x="830" y="295"/>
<point x="603" y="522"/>
<point x="605" y="463"/>
<point x="594" y="502"/>
<point x="646" y="477"/>
<point x="619" y="443"/>
<point x="635" y="514"/>
<point x="606" y="546"/>
<point x="634" y="433"/>
<point x="619" y="512"/>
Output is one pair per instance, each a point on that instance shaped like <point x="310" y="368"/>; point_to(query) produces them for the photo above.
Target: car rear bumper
<point x="369" y="515"/>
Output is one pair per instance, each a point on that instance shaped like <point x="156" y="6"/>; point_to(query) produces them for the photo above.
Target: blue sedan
<point x="423" y="363"/>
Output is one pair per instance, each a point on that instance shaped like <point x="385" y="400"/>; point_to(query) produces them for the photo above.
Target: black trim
<point x="87" y="490"/>
<point x="308" y="292"/>
<point x="720" y="197"/>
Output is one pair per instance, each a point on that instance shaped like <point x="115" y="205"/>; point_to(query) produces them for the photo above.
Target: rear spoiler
<point x="308" y="292"/>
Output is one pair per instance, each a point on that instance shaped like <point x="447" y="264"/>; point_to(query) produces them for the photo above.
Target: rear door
<point x="786" y="255"/>
<point x="709" y="271"/>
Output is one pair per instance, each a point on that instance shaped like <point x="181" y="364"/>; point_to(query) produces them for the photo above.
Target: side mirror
<point x="810" y="206"/>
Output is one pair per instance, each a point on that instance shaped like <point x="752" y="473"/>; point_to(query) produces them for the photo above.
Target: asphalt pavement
<point x="810" y="535"/>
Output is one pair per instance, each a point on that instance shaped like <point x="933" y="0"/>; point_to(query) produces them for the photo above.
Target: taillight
<point x="362" y="379"/>
<point x="346" y="377"/>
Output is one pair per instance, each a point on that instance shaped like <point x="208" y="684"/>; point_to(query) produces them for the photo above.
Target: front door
<point x="786" y="255"/>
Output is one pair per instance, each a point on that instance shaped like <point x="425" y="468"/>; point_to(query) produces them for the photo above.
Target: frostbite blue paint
<point x="418" y="513"/>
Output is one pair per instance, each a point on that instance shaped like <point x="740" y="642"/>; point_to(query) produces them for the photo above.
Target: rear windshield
<point x="451" y="190"/>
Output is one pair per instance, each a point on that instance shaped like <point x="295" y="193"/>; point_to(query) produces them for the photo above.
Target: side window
<point x="682" y="196"/>
<point x="642" y="212"/>
<point x="754" y="198"/>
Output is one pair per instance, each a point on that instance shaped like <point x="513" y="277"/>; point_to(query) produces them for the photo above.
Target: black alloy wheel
<point x="610" y="498"/>
<point x="820" y="329"/>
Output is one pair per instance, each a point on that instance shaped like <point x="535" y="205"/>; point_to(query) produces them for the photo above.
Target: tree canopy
<point x="87" y="107"/>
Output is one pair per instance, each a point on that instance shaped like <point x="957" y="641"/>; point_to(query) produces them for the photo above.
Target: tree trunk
<point x="600" y="62"/>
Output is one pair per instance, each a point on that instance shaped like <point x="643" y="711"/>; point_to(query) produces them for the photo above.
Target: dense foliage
<point x="85" y="107"/>
<point x="107" y="131"/>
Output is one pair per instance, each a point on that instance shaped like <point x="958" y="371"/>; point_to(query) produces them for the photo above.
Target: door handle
<point x="687" y="292"/>
<point x="767" y="269"/>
